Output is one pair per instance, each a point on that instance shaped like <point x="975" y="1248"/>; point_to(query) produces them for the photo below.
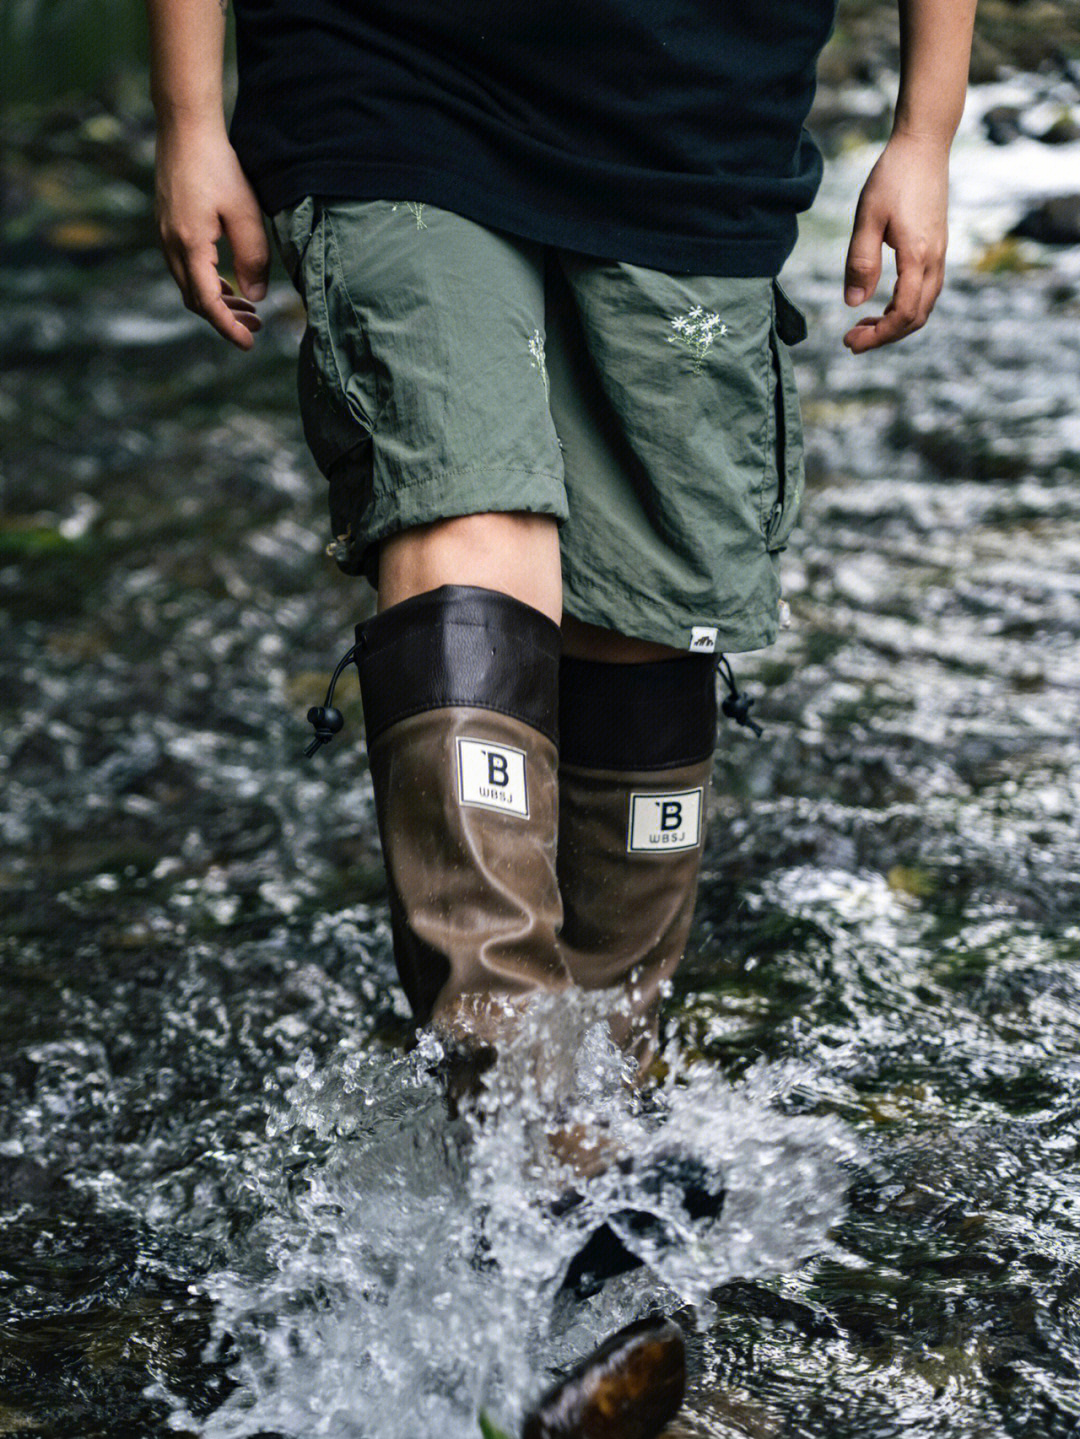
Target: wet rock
<point x="628" y="1388"/>
<point x="845" y="115"/>
<point x="77" y="184"/>
<point x="1023" y="34"/>
<point x="1063" y="131"/>
<point x="14" y="1420"/>
<point x="912" y="882"/>
<point x="1011" y="34"/>
<point x="25" y="1181"/>
<point x="951" y="451"/>
<point x="1054" y="222"/>
<point x="987" y="59"/>
<point x="1002" y="124"/>
<point x="863" y="48"/>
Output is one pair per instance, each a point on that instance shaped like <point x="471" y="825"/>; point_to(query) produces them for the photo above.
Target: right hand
<point x="904" y="204"/>
<point x="203" y="195"/>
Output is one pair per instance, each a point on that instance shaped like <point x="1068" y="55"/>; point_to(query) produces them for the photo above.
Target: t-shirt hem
<point x="732" y="256"/>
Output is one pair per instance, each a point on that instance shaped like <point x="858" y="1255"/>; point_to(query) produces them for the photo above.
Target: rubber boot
<point x="459" y="687"/>
<point x="631" y="1387"/>
<point x="637" y="743"/>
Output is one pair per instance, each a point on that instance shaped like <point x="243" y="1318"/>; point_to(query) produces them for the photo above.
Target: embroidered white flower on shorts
<point x="536" y="350"/>
<point x="696" y="330"/>
<point x="418" y="210"/>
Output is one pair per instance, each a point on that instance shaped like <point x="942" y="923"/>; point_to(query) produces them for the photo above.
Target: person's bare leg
<point x="516" y="554"/>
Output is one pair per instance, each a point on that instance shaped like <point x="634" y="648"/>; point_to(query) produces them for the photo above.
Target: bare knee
<point x="517" y="554"/>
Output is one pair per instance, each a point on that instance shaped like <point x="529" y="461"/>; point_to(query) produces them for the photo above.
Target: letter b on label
<point x="498" y="769"/>
<point x="671" y="814"/>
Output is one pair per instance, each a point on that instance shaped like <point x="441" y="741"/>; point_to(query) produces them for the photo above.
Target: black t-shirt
<point x="666" y="133"/>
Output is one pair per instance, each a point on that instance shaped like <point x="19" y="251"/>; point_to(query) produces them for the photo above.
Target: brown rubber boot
<point x="636" y="751"/>
<point x="460" y="688"/>
<point x="631" y="1387"/>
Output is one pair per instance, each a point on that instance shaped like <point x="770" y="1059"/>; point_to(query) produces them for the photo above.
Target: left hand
<point x="904" y="205"/>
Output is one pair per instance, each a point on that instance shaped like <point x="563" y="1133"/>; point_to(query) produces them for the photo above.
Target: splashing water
<point x="404" y="1270"/>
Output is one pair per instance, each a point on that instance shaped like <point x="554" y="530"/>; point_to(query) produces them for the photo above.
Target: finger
<point x="905" y="312"/>
<point x="244" y="312"/>
<point x="931" y="279"/>
<point x="935" y="282"/>
<point x="902" y="313"/>
<point x="174" y="260"/>
<point x="235" y="302"/>
<point x="861" y="336"/>
<point x="862" y="268"/>
<point x="873" y="332"/>
<point x="241" y="308"/>
<point x="249" y="319"/>
<point x="209" y="301"/>
<point x="204" y="281"/>
<point x="251" y="253"/>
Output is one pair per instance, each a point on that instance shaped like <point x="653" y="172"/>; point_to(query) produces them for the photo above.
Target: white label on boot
<point x="661" y="823"/>
<point x="492" y="776"/>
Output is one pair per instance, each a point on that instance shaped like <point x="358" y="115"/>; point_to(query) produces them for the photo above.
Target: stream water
<point x="231" y="1204"/>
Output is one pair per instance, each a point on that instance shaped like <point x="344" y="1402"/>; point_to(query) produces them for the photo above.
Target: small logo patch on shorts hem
<point x="703" y="639"/>
<point x="492" y="776"/>
<point x="664" y="823"/>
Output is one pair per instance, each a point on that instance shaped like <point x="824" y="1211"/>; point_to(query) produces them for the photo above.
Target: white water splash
<point x="406" y="1268"/>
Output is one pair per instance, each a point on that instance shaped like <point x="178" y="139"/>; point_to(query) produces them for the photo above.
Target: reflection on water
<point x="226" y="1194"/>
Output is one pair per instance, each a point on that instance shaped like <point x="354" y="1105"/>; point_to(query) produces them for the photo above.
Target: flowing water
<point x="232" y="1204"/>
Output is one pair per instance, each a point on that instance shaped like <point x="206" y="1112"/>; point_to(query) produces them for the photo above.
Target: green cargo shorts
<point x="450" y="369"/>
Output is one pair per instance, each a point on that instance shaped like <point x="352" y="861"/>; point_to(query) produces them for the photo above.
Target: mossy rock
<point x="1006" y="257"/>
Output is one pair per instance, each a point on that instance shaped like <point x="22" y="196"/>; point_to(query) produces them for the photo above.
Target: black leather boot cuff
<point x="637" y="716"/>
<point x="459" y="645"/>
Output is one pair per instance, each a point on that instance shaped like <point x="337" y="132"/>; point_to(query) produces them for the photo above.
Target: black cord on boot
<point x="735" y="705"/>
<point x="324" y="718"/>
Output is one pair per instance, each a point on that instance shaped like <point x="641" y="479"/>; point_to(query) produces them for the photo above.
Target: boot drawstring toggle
<point x="736" y="705"/>
<point x="324" y="718"/>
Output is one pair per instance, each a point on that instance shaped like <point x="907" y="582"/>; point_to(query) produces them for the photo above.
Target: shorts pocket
<point x="336" y="383"/>
<point x="788" y="328"/>
<point x="339" y="352"/>
<point x="291" y="229"/>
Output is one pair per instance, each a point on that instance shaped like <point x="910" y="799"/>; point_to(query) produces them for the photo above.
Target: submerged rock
<point x="1055" y="221"/>
<point x="1002" y="124"/>
<point x="1063" y="131"/>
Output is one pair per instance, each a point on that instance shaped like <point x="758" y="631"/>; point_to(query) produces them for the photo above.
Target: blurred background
<point x="192" y="916"/>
